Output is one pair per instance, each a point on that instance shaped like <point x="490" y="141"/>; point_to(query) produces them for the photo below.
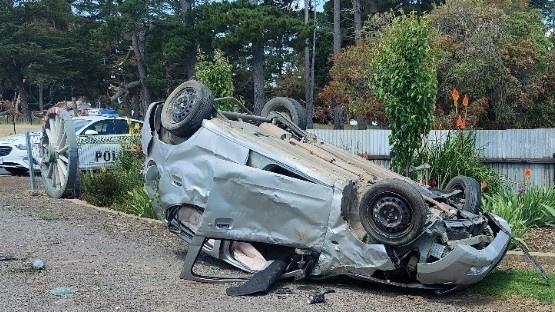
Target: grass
<point x="507" y="284"/>
<point x="7" y="129"/>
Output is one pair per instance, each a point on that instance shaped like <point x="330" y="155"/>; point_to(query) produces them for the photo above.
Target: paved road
<point x="116" y="262"/>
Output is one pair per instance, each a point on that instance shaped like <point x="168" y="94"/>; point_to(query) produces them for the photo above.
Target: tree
<point x="493" y="53"/>
<point x="244" y="31"/>
<point x="217" y="75"/>
<point x="349" y="84"/>
<point x="404" y="79"/>
<point x="36" y="45"/>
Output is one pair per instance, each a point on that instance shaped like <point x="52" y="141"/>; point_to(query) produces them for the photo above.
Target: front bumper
<point x="466" y="265"/>
<point x="18" y="159"/>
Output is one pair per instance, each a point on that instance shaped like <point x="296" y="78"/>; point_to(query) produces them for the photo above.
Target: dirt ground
<point x="116" y="262"/>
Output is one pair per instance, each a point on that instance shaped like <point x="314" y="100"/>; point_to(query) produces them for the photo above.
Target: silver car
<point x="269" y="198"/>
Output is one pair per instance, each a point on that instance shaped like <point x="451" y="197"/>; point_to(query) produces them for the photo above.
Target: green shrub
<point x="523" y="209"/>
<point x="457" y="155"/>
<point x="505" y="204"/>
<point x="121" y="186"/>
<point x="136" y="202"/>
<point x="99" y="188"/>
<point x="404" y="79"/>
<point x="217" y="75"/>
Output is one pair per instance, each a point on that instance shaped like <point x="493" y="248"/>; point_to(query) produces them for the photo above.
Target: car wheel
<point x="186" y="107"/>
<point x="393" y="212"/>
<point x="288" y="106"/>
<point x="59" y="151"/>
<point x="17" y="171"/>
<point x="470" y="199"/>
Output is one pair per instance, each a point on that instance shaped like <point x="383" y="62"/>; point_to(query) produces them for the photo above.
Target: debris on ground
<point x="63" y="292"/>
<point x="8" y="258"/>
<point x="37" y="264"/>
<point x="319" y="297"/>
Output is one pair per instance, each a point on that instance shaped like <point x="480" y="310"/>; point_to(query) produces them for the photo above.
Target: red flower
<point x="460" y="123"/>
<point x="527" y="172"/>
<point x="465" y="101"/>
<point x="455" y="95"/>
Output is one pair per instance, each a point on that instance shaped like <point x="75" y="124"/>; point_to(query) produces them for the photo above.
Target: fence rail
<point x="508" y="152"/>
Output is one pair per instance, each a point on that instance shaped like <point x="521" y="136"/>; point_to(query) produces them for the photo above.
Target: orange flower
<point x="460" y="123"/>
<point x="455" y="95"/>
<point x="465" y="101"/>
<point x="527" y="172"/>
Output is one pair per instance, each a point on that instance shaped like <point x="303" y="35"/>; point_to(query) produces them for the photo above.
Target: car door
<point x="254" y="205"/>
<point x="102" y="148"/>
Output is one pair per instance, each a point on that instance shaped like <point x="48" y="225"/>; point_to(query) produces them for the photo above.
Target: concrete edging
<point x="543" y="257"/>
<point x="108" y="210"/>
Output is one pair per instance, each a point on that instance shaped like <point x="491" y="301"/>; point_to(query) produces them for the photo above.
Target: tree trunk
<point x="339" y="117"/>
<point x="41" y="95"/>
<point x="310" y="108"/>
<point x="190" y="52"/>
<point x="138" y="40"/>
<point x="357" y="21"/>
<point x="307" y="72"/>
<point x="22" y="103"/>
<point x="336" y="26"/>
<point x="258" y="76"/>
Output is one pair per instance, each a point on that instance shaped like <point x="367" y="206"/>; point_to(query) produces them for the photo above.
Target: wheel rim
<point x="56" y="151"/>
<point x="391" y="214"/>
<point x="183" y="104"/>
<point x="59" y="153"/>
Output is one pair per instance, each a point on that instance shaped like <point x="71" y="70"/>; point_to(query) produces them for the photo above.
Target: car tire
<point x="289" y="107"/>
<point x="393" y="212"/>
<point x="186" y="107"/>
<point x="471" y="192"/>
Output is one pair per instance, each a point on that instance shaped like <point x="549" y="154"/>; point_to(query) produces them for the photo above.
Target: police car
<point x="99" y="135"/>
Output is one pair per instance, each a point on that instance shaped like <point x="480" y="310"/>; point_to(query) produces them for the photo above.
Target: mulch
<point x="541" y="239"/>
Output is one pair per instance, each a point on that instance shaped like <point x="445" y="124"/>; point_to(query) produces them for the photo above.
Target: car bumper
<point x="466" y="265"/>
<point x="17" y="159"/>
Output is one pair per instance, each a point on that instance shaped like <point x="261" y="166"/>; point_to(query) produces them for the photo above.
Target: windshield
<point x="80" y="123"/>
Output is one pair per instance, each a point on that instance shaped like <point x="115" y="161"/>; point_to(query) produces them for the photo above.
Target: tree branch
<point x="125" y="88"/>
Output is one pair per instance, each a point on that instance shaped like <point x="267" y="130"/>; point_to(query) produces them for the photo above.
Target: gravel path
<point x="116" y="262"/>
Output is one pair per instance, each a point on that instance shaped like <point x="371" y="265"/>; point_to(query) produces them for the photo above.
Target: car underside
<point x="264" y="195"/>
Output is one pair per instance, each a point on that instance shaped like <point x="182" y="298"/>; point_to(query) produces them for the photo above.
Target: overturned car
<point x="271" y="199"/>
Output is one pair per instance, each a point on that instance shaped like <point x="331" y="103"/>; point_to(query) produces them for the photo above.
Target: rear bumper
<point x="466" y="265"/>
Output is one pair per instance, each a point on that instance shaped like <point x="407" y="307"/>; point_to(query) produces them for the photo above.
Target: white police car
<point x="99" y="140"/>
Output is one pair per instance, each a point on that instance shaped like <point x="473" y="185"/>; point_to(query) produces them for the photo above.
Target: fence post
<point x="31" y="164"/>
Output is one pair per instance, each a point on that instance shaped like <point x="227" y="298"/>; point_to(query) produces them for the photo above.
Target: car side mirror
<point x="90" y="132"/>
